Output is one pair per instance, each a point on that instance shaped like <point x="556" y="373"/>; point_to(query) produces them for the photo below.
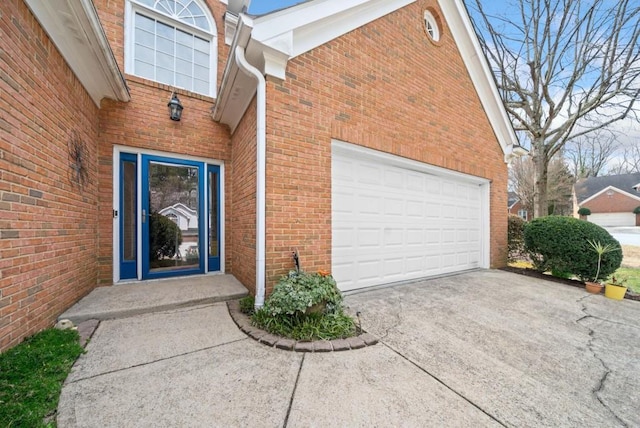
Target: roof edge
<point x="75" y="29"/>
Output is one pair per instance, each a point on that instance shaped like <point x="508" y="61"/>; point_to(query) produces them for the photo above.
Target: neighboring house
<point x="611" y="199"/>
<point x="186" y="218"/>
<point x="367" y="135"/>
<point x="516" y="207"/>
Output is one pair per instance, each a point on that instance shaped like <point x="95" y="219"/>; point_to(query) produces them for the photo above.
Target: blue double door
<point x="169" y="217"/>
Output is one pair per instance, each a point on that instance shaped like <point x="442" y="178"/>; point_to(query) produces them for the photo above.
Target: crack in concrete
<point x="157" y="361"/>
<point x="397" y="316"/>
<point x="293" y="393"/>
<point x="590" y="345"/>
<point x="441" y="382"/>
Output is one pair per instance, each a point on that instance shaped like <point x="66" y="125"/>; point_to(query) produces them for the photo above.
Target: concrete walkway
<point x="486" y="348"/>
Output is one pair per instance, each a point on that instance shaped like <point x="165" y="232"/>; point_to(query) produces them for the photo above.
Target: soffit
<point x="75" y="29"/>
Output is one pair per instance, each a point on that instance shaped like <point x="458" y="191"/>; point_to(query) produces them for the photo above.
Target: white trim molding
<point x="75" y="29"/>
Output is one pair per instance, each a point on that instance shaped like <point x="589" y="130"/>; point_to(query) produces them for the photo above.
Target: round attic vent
<point x="431" y="25"/>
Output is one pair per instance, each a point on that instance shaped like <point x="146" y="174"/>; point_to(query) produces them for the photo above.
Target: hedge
<point x="561" y="244"/>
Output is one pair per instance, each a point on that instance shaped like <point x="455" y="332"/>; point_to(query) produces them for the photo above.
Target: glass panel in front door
<point x="174" y="200"/>
<point x="128" y="206"/>
<point x="214" y="217"/>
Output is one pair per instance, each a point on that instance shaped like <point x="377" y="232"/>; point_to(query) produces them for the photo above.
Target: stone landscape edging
<point x="243" y="322"/>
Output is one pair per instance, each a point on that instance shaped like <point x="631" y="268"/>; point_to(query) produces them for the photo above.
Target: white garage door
<point x="397" y="220"/>
<point x="613" y="219"/>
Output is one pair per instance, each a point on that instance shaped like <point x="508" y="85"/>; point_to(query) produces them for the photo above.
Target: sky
<point x="261" y="7"/>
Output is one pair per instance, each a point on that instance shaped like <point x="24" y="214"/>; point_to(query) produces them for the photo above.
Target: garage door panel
<point x="613" y="219"/>
<point x="394" y="224"/>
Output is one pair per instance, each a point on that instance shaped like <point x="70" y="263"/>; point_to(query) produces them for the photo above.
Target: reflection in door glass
<point x="173" y="217"/>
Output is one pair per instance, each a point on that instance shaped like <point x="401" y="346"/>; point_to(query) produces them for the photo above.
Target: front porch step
<point x="135" y="298"/>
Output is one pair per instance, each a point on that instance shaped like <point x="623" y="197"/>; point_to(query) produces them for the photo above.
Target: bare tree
<point x="589" y="155"/>
<point x="564" y="69"/>
<point x="559" y="185"/>
<point x="629" y="163"/>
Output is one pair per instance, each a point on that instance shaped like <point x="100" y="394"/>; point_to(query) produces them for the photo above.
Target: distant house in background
<point x="186" y="218"/>
<point x="611" y="199"/>
<point x="516" y="207"/>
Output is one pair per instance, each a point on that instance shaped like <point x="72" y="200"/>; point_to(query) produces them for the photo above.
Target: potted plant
<point x="615" y="289"/>
<point x="592" y="285"/>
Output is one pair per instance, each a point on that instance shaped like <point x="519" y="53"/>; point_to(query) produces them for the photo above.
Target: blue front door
<point x="176" y="209"/>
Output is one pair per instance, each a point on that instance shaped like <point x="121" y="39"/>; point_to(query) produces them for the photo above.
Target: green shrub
<point x="584" y="211"/>
<point x="561" y="244"/>
<point x="515" y="238"/>
<point x="164" y="236"/>
<point x="286" y="311"/>
<point x="300" y="290"/>
<point x="247" y="305"/>
<point x="636" y="210"/>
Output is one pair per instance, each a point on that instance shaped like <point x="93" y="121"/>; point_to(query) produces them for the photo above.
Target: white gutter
<point x="261" y="161"/>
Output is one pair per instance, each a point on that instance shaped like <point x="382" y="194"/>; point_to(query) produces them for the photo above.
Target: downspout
<point x="261" y="143"/>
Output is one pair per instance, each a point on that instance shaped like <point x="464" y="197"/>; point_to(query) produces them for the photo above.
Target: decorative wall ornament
<point x="79" y="160"/>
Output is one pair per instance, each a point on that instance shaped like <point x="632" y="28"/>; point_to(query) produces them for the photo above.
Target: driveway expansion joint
<point x="293" y="393"/>
<point x="590" y="345"/>
<point x="146" y="363"/>
<point x="441" y="382"/>
<point x="243" y="322"/>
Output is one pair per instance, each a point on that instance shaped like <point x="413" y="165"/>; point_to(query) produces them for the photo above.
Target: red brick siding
<point x="384" y="86"/>
<point x="48" y="225"/>
<point x="616" y="203"/>
<point x="144" y="123"/>
<point x="243" y="189"/>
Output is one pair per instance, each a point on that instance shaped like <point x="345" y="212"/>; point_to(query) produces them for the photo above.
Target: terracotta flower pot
<point x="593" y="287"/>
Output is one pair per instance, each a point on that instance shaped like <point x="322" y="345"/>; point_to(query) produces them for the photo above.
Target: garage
<point x="397" y="220"/>
<point x="613" y="219"/>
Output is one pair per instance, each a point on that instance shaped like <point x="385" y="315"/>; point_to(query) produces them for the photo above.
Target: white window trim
<point x="133" y="6"/>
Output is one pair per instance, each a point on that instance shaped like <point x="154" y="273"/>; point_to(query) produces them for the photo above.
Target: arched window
<point x="172" y="42"/>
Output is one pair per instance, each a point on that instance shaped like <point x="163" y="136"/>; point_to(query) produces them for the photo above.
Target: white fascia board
<point x="465" y="37"/>
<point x="230" y="25"/>
<point x="606" y="189"/>
<point x="301" y="28"/>
<point x="225" y="92"/>
<point x="75" y="29"/>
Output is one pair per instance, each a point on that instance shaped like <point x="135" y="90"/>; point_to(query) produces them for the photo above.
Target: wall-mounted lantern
<point x="175" y="108"/>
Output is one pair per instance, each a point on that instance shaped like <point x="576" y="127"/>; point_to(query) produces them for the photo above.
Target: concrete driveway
<point x="626" y="235"/>
<point x="485" y="348"/>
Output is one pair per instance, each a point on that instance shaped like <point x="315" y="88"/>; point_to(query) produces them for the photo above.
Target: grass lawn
<point x="31" y="377"/>
<point x="632" y="277"/>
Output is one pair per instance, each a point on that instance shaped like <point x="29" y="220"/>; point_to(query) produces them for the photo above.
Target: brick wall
<point x="144" y="123"/>
<point x="385" y="86"/>
<point x="615" y="203"/>
<point x="48" y="224"/>
<point x="243" y="190"/>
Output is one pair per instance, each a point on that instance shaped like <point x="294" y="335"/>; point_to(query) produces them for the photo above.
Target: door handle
<point x="144" y="216"/>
